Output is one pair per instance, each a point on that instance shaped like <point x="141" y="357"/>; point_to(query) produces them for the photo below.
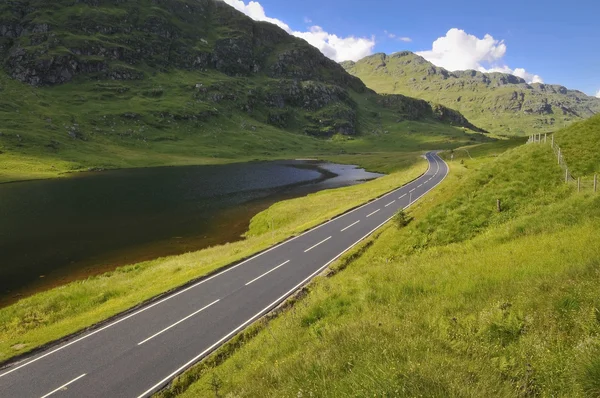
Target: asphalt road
<point x="139" y="353"/>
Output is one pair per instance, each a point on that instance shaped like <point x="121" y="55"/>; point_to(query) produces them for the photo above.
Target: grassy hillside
<point x="105" y="83"/>
<point x="580" y="144"/>
<point x="500" y="103"/>
<point x="464" y="301"/>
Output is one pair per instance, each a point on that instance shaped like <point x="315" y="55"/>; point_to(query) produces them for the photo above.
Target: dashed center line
<point x="419" y="186"/>
<point x="373" y="213"/>
<point x="412" y="190"/>
<point x="349" y="226"/>
<point x="402" y="196"/>
<point x="391" y="203"/>
<point x="178" y="322"/>
<point x="267" y="273"/>
<point x="64" y="386"/>
<point x="312" y="247"/>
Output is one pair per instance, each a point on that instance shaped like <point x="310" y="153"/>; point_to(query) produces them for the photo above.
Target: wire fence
<point x="582" y="184"/>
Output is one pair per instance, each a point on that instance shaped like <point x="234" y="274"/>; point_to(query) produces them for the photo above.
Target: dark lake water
<point x="55" y="231"/>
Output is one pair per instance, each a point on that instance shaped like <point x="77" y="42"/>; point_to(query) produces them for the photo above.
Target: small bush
<point x="401" y="219"/>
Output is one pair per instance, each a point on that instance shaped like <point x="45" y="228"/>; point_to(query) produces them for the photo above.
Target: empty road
<point x="139" y="353"/>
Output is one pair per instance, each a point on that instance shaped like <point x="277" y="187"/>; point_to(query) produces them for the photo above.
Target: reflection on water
<point x="54" y="231"/>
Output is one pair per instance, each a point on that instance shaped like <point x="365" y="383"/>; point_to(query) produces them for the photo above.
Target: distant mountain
<point x="191" y="77"/>
<point x="497" y="102"/>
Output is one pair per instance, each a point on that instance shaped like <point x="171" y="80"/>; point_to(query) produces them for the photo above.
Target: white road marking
<point x="64" y="386"/>
<point x="267" y="273"/>
<point x="233" y="332"/>
<point x="391" y="203"/>
<point x="312" y="247"/>
<point x="402" y="196"/>
<point x="178" y="322"/>
<point x="349" y="226"/>
<point x="412" y="190"/>
<point x="373" y="213"/>
<point x="419" y="186"/>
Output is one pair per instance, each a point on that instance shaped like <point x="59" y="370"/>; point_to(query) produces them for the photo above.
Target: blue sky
<point x="560" y="44"/>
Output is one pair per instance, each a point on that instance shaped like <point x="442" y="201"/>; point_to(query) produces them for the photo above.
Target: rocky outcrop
<point x="170" y="34"/>
<point x="415" y="109"/>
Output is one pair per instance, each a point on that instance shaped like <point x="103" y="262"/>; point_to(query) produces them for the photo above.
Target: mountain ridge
<point x="482" y="97"/>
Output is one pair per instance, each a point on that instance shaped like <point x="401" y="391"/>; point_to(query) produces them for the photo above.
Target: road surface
<point x="139" y="353"/>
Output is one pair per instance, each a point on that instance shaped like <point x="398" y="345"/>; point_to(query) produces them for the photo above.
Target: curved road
<point x="139" y="353"/>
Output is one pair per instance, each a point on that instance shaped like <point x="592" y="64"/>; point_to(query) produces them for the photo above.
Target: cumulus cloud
<point x="459" y="50"/>
<point x="405" y="39"/>
<point x="339" y="49"/>
<point x="598" y="94"/>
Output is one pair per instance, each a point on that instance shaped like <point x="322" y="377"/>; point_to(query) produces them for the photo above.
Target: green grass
<point x="579" y="144"/>
<point x="50" y="315"/>
<point x="464" y="301"/>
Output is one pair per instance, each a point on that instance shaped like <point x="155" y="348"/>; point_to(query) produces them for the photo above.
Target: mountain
<point x="119" y="83"/>
<point x="498" y="102"/>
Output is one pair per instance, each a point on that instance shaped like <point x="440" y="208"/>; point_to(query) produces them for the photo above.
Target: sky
<point x="549" y="41"/>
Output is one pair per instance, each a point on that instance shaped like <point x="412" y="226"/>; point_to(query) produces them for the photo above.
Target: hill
<point x="500" y="103"/>
<point x="580" y="144"/>
<point x="107" y="83"/>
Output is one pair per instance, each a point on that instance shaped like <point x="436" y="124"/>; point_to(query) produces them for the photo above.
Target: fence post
<point x="545" y="138"/>
<point x="566" y="175"/>
<point x="499" y="205"/>
<point x="558" y="155"/>
<point x="552" y="140"/>
<point x="578" y="184"/>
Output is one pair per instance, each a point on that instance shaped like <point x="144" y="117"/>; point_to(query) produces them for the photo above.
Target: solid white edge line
<point x="391" y="203"/>
<point x="373" y="213"/>
<point x="227" y="336"/>
<point x="63" y="386"/>
<point x="312" y="247"/>
<point x="349" y="226"/>
<point x="178" y="322"/>
<point x="204" y="280"/>
<point x="267" y="273"/>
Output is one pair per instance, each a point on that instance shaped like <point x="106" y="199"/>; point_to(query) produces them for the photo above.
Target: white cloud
<point x="598" y="94"/>
<point x="339" y="49"/>
<point x="394" y="36"/>
<point x="307" y="20"/>
<point x="459" y="50"/>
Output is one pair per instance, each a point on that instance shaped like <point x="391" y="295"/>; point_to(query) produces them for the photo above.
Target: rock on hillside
<point x="499" y="102"/>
